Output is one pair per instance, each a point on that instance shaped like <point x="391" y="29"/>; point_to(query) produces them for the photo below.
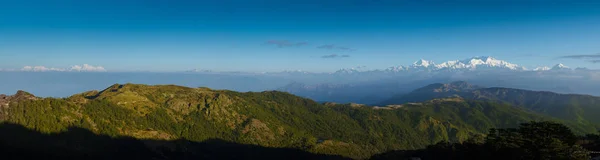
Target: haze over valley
<point x="357" y="85"/>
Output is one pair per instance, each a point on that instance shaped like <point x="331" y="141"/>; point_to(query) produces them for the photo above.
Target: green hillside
<point x="268" y="119"/>
<point x="582" y="109"/>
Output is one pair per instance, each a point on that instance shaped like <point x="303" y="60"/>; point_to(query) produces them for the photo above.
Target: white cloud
<point x="87" y="68"/>
<point x="40" y="69"/>
<point x="75" y="68"/>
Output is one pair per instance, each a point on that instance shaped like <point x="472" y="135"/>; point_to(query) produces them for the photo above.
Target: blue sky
<point x="275" y="35"/>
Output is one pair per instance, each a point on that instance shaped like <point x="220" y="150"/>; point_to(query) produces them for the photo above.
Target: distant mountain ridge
<point x="458" y="86"/>
<point x="469" y="64"/>
<point x="487" y="63"/>
<point x="359" y="82"/>
<point x="583" y="108"/>
<point x="363" y="85"/>
<point x="365" y="93"/>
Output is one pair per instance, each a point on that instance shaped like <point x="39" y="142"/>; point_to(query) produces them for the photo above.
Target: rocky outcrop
<point x="4" y="100"/>
<point x="19" y="96"/>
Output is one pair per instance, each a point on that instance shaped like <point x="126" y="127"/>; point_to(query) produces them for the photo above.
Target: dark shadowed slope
<point x="18" y="142"/>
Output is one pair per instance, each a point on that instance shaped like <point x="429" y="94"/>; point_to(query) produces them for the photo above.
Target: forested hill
<point x="583" y="109"/>
<point x="270" y="119"/>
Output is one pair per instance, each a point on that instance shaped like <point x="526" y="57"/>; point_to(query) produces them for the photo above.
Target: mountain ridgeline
<point x="583" y="109"/>
<point x="167" y="121"/>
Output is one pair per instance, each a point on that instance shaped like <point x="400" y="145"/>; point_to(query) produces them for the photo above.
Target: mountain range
<point x="359" y="84"/>
<point x="481" y="63"/>
<point x="486" y="63"/>
<point x="470" y="64"/>
<point x="368" y="86"/>
<point x="178" y="118"/>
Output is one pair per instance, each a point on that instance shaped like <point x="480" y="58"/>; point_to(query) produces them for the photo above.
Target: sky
<point x="309" y="35"/>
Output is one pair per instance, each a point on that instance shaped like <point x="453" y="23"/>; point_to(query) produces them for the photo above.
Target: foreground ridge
<point x="271" y="119"/>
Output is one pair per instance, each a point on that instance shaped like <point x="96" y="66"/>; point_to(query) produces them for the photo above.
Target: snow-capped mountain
<point x="396" y="69"/>
<point x="487" y="62"/>
<point x="422" y="64"/>
<point x="357" y="69"/>
<point x="474" y="63"/>
<point x="559" y="67"/>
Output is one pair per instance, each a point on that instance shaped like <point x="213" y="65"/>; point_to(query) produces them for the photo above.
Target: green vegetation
<point x="579" y="109"/>
<point x="530" y="141"/>
<point x="269" y="119"/>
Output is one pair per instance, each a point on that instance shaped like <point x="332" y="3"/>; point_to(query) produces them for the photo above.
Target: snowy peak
<point x="489" y="62"/>
<point x="560" y="66"/>
<point x="352" y="70"/>
<point x="396" y="69"/>
<point x="481" y="62"/>
<point x="478" y="62"/>
<point x="451" y="64"/>
<point x="557" y="67"/>
<point x="423" y="63"/>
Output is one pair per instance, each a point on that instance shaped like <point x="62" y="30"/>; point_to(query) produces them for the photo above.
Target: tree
<point x="535" y="141"/>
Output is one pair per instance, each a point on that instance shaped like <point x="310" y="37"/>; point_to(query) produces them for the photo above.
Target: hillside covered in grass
<point x="269" y="119"/>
